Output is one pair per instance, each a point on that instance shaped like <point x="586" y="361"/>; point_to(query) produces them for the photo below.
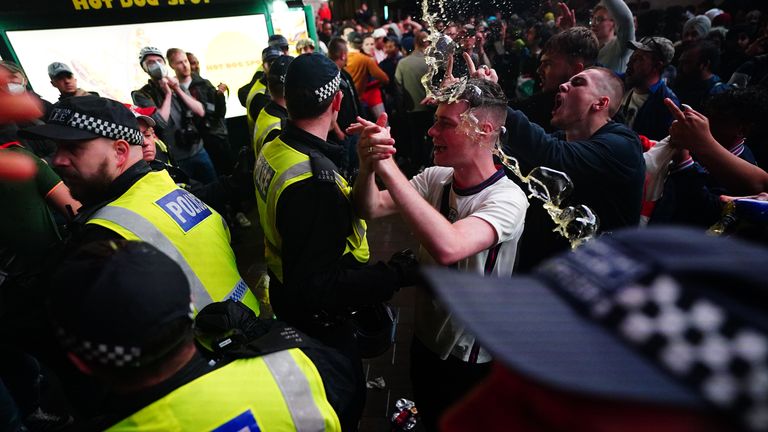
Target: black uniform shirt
<point x="314" y="219"/>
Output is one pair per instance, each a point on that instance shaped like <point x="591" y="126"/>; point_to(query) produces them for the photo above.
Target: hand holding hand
<point x="375" y="142"/>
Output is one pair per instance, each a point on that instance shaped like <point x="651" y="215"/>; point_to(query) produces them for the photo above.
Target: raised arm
<point x="374" y="144"/>
<point x="622" y="17"/>
<point x="194" y="105"/>
<point x="690" y="130"/>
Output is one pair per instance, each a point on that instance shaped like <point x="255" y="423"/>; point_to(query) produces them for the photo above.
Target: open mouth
<point x="439" y="148"/>
<point x="558" y="103"/>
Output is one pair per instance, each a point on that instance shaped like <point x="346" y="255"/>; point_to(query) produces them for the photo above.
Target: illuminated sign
<point x="105" y="59"/>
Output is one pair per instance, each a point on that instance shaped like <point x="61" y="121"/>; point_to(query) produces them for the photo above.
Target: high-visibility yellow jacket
<point x="157" y="211"/>
<point x="281" y="391"/>
<point x="278" y="167"/>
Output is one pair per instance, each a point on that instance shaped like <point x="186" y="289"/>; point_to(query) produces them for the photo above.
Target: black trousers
<point x="438" y="384"/>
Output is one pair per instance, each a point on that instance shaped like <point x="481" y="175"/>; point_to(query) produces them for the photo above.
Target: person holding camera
<point x="176" y="116"/>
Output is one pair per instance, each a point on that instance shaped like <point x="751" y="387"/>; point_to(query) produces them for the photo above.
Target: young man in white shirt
<point x="466" y="214"/>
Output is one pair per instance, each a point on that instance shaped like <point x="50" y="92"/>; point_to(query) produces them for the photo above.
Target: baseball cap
<point x="279" y="68"/>
<point x="316" y="73"/>
<point x="660" y="46"/>
<point x="278" y="41"/>
<point x="661" y="315"/>
<point x="143" y="113"/>
<point x="270" y="53"/>
<point x="113" y="297"/>
<point x="57" y="68"/>
<point x="88" y="117"/>
<point x="379" y="33"/>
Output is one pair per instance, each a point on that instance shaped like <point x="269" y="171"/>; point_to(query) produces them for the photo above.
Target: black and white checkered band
<point x="714" y="352"/>
<point x="109" y="355"/>
<point x="67" y="117"/>
<point x="329" y="89"/>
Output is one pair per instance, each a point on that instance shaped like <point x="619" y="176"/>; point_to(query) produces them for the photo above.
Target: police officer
<point x="99" y="157"/>
<point x="254" y="96"/>
<point x="316" y="247"/>
<point x="274" y="115"/>
<point x="122" y="312"/>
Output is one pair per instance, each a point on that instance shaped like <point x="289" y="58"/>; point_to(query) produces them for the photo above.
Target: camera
<point x="187" y="133"/>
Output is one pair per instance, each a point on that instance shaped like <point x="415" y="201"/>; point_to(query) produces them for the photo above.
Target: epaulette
<point x="322" y="167"/>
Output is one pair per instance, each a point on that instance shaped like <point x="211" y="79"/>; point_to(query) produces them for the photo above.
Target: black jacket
<point x="214" y="104"/>
<point x="314" y="219"/>
<point x="653" y="118"/>
<point x="607" y="171"/>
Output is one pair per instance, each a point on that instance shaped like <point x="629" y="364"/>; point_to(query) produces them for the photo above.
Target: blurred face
<point x="554" y="69"/>
<point x="451" y="143"/>
<point x="194" y="63"/>
<point x="390" y="48"/>
<point x="14" y="77"/>
<point x="602" y="25"/>
<point x="688" y="66"/>
<point x="451" y="32"/>
<point x="530" y="36"/>
<point x="151" y="59"/>
<point x="640" y="68"/>
<point x="379" y="43"/>
<point x="148" y="147"/>
<point x="469" y="41"/>
<point x="368" y="45"/>
<point x="727" y="131"/>
<point x="65" y="83"/>
<point x="87" y="167"/>
<point x="574" y="99"/>
<point x="691" y="35"/>
<point x="327" y="29"/>
<point x="180" y="65"/>
<point x="307" y="49"/>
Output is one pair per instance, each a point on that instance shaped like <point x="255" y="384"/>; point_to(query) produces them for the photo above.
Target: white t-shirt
<point x="502" y="204"/>
<point x="632" y="103"/>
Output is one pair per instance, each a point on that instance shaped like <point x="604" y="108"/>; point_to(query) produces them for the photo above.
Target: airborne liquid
<point x="576" y="223"/>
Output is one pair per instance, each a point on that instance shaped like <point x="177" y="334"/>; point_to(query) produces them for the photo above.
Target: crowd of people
<point x="123" y="308"/>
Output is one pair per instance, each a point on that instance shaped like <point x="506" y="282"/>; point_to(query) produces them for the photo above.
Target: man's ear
<point x="486" y="127"/>
<point x="336" y="104"/>
<point x="603" y="103"/>
<point x="577" y="68"/>
<point x="122" y="151"/>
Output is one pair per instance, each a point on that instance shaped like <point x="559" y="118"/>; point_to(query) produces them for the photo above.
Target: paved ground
<point x="385" y="236"/>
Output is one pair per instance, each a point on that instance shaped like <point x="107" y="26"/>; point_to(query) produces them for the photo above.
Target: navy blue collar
<point x="498" y="175"/>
